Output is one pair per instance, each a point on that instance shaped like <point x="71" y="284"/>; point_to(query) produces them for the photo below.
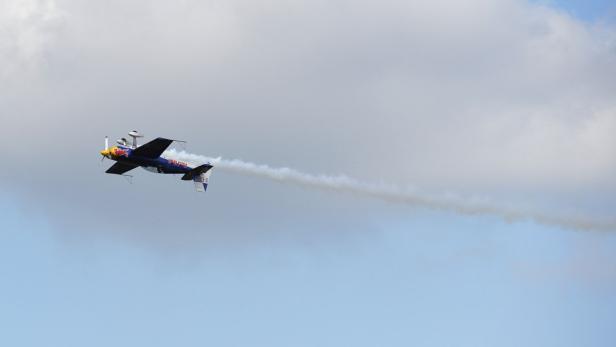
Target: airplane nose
<point x="105" y="152"/>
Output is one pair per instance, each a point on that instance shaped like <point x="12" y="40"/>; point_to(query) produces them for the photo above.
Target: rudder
<point x="201" y="181"/>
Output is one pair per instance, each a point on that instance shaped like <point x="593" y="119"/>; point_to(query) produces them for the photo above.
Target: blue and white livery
<point x="150" y="157"/>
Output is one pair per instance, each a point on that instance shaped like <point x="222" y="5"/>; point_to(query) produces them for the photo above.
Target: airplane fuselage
<point x="160" y="164"/>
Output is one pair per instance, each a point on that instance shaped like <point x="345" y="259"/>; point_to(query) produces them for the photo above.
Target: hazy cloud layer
<point x="388" y="193"/>
<point x="502" y="99"/>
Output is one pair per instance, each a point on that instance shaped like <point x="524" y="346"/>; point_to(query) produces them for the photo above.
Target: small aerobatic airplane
<point x="149" y="156"/>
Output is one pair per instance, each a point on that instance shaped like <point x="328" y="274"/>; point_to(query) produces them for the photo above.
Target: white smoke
<point x="391" y="193"/>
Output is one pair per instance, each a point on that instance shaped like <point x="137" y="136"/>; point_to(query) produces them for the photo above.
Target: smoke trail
<point x="390" y="193"/>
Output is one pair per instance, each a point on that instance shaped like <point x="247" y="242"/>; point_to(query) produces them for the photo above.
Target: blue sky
<point x="521" y="115"/>
<point x="588" y="10"/>
<point x="430" y="280"/>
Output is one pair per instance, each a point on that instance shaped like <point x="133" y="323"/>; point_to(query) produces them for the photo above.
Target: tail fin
<point x="201" y="181"/>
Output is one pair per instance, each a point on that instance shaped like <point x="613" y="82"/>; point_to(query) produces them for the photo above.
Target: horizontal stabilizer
<point x="190" y="175"/>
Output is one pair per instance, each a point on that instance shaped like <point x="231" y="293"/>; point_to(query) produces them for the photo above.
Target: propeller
<point x="106" y="148"/>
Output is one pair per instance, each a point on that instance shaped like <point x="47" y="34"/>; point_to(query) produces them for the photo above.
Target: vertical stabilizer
<point x="201" y="181"/>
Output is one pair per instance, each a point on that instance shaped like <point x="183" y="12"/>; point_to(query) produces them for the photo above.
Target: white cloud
<point x="499" y="98"/>
<point x="25" y="34"/>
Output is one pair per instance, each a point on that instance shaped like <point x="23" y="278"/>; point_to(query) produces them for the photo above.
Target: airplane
<point x="150" y="157"/>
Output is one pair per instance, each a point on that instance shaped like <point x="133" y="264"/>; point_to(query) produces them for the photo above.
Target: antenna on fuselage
<point x="129" y="178"/>
<point x="134" y="134"/>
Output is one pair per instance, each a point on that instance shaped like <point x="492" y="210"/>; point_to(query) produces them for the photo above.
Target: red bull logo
<point x="118" y="152"/>
<point x="177" y="163"/>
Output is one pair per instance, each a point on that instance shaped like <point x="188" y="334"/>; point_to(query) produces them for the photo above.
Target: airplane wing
<point x="153" y="149"/>
<point x="120" y="168"/>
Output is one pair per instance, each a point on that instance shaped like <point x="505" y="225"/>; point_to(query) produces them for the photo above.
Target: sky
<point x="587" y="10"/>
<point x="505" y="102"/>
